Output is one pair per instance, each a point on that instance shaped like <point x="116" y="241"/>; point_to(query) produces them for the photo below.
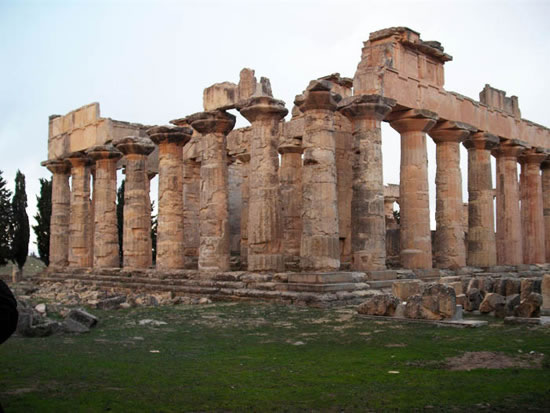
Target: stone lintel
<point x="107" y="151"/>
<point x="134" y="145"/>
<point x="481" y="140"/>
<point x="170" y="134"/>
<point x="57" y="166"/>
<point x="366" y="106"/>
<point x="412" y="120"/>
<point x="259" y="108"/>
<point x="215" y="121"/>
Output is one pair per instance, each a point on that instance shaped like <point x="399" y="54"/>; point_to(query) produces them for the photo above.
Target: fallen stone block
<point x="382" y="304"/>
<point x="72" y="326"/>
<point x="404" y="289"/>
<point x="111" y="303"/>
<point x="82" y="317"/>
<point x="530" y="306"/>
<point x="491" y="302"/>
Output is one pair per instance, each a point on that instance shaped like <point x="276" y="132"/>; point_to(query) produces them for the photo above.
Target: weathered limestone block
<point x="406" y="288"/>
<point x="136" y="244"/>
<point x="492" y="302"/>
<point x="80" y="253"/>
<point x="545" y="292"/>
<point x="473" y="300"/>
<point x="290" y="181"/>
<point x="416" y="243"/>
<point x="545" y="181"/>
<point x="450" y="251"/>
<point x="529" y="306"/>
<point x="170" y="230"/>
<point x="59" y="221"/>
<point x="509" y="235"/>
<point x="528" y="286"/>
<point x="265" y="230"/>
<point x="106" y="249"/>
<point x="532" y="208"/>
<point x="319" y="248"/>
<point x="214" y="226"/>
<point x="481" y="234"/>
<point x="367" y="205"/>
<point x="439" y="300"/>
<point x="380" y="305"/>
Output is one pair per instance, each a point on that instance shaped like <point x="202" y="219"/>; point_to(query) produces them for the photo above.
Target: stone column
<point x="545" y="166"/>
<point x="214" y="226"/>
<point x="265" y="230"/>
<point x="80" y="253"/>
<point x="290" y="180"/>
<point x="191" y="201"/>
<point x="106" y="251"/>
<point x="136" y="242"/>
<point x="244" y="158"/>
<point x="532" y="208"/>
<point x="481" y="219"/>
<point x="368" y="231"/>
<point x="319" y="250"/>
<point x="59" y="221"/>
<point x="449" y="246"/>
<point x="170" y="141"/>
<point x="415" y="233"/>
<point x="509" y="234"/>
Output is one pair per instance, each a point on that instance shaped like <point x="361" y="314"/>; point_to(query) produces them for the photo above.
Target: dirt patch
<point x="493" y="360"/>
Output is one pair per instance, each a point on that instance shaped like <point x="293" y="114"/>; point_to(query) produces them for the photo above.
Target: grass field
<point x="265" y="357"/>
<point x="32" y="266"/>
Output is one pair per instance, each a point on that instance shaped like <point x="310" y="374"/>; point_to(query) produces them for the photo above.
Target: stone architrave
<point x="244" y="159"/>
<point x="415" y="233"/>
<point x="170" y="230"/>
<point x="80" y="253"/>
<point x="368" y="232"/>
<point x="136" y="238"/>
<point x="106" y="249"/>
<point x="319" y="249"/>
<point x="265" y="230"/>
<point x="481" y="219"/>
<point x="532" y="208"/>
<point x="214" y="225"/>
<point x="449" y="246"/>
<point x="59" y="221"/>
<point x="290" y="180"/>
<point x="509" y="235"/>
<point x="545" y="178"/>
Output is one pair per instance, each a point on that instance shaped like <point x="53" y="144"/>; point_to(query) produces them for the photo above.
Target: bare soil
<point x="493" y="360"/>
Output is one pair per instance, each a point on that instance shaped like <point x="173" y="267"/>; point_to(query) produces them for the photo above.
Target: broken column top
<point x="170" y="134"/>
<point x="496" y="99"/>
<point x="134" y="145"/>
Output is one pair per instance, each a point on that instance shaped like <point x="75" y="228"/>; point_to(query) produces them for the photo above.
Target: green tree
<point x="120" y="218"/>
<point x="5" y="222"/>
<point x="42" y="218"/>
<point x="20" y="225"/>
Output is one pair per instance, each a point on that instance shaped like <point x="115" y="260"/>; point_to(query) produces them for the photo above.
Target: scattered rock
<point x="530" y="306"/>
<point x="491" y="302"/>
<point x="41" y="308"/>
<point x="82" y="317"/>
<point x="155" y="323"/>
<point x="381" y="305"/>
<point x="111" y="303"/>
<point x="72" y="326"/>
<point x="473" y="299"/>
<point x="205" y="300"/>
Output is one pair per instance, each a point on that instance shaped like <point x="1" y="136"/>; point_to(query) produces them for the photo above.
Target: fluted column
<point x="509" y="235"/>
<point x="106" y="250"/>
<point x="481" y="219"/>
<point x="368" y="231"/>
<point x="170" y="141"/>
<point x="290" y="179"/>
<point x="191" y="201"/>
<point x="449" y="246"/>
<point x="80" y="253"/>
<point x="244" y="159"/>
<point x="136" y="242"/>
<point x="532" y="208"/>
<point x="59" y="221"/>
<point x="415" y="234"/>
<point x="545" y="178"/>
<point x="214" y="226"/>
<point x="265" y="230"/>
<point x="319" y="248"/>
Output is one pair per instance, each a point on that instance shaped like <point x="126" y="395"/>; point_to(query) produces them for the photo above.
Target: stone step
<point x="322" y="277"/>
<point x="330" y="287"/>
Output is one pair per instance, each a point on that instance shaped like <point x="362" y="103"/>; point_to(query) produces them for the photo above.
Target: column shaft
<point x="245" y="196"/>
<point x="191" y="202"/>
<point x="546" y="207"/>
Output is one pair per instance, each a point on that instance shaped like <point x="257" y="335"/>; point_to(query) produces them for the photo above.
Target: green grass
<point x="244" y="357"/>
<point x="32" y="266"/>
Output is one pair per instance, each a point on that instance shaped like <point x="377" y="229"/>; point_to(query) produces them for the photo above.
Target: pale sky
<point x="148" y="61"/>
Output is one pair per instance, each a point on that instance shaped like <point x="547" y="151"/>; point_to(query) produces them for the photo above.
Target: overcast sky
<point x="148" y="61"/>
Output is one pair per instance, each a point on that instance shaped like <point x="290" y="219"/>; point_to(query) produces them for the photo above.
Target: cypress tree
<point x="120" y="217"/>
<point x="42" y="218"/>
<point x="5" y="222"/>
<point x="21" y="230"/>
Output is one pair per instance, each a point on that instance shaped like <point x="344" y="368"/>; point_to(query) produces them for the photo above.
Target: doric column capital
<point x="366" y="107"/>
<point x="533" y="156"/>
<point x="412" y="120"/>
<point x="79" y="158"/>
<point x="57" y="166"/>
<point x="291" y="146"/>
<point x="134" y="145"/>
<point x="318" y="96"/>
<point x="481" y="140"/>
<point x="258" y="108"/>
<point x="216" y="121"/>
<point x="511" y="148"/>
<point x="104" y="152"/>
<point x="450" y="131"/>
<point x="170" y="134"/>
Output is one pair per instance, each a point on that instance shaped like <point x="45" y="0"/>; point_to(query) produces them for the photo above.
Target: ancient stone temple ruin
<point x="295" y="208"/>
